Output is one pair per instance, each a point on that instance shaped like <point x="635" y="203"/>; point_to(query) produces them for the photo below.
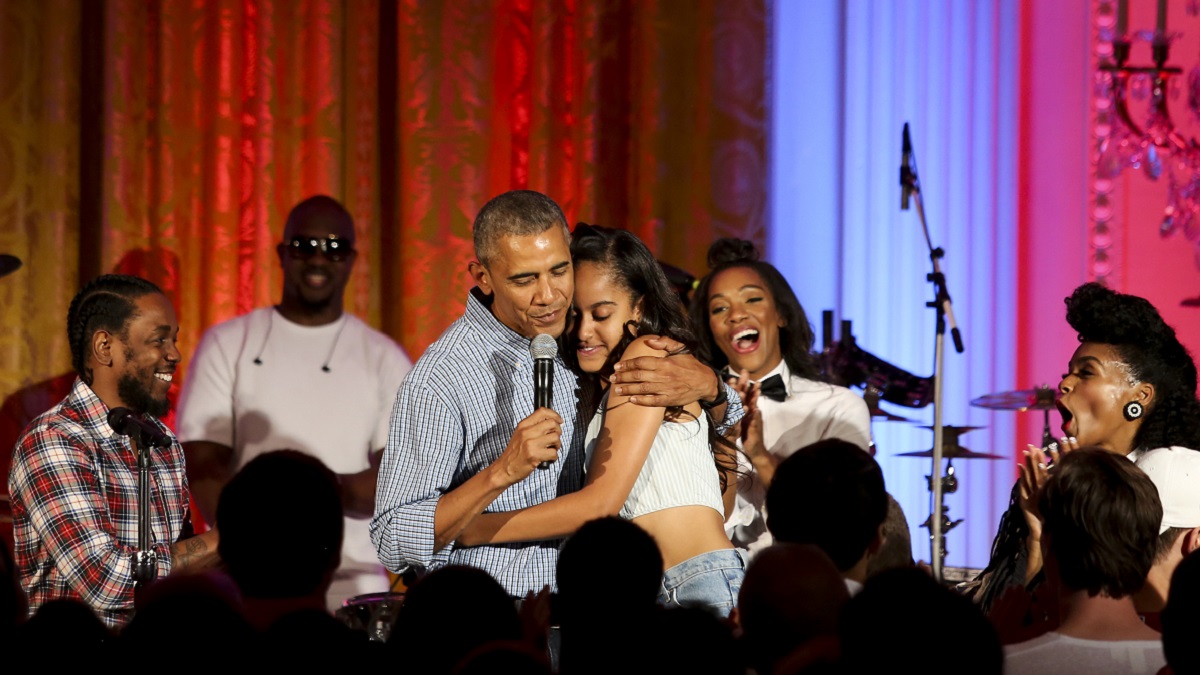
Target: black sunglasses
<point x="334" y="249"/>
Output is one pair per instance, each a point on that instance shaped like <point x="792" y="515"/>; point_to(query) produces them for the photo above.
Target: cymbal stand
<point x="911" y="187"/>
<point x="949" y="486"/>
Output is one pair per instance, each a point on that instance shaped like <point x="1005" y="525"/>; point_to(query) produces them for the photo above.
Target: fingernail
<point x="1074" y="440"/>
<point x="1054" y="446"/>
<point x="1064" y="440"/>
<point x="1041" y="465"/>
<point x="617" y="366"/>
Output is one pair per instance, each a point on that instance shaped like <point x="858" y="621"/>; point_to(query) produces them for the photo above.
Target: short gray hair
<point x="515" y="213"/>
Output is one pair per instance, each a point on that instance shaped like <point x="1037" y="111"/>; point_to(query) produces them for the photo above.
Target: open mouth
<point x="745" y="340"/>
<point x="1067" y="417"/>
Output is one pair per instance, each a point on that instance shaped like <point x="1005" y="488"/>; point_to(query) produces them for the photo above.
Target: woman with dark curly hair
<point x="664" y="469"/>
<point x="1130" y="388"/>
<point x="751" y="325"/>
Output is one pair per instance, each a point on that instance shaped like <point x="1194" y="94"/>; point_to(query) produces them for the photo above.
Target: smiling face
<point x="744" y="321"/>
<point x="146" y="356"/>
<point x="313" y="284"/>
<point x="531" y="281"/>
<point x="602" y="309"/>
<point x="1093" y="395"/>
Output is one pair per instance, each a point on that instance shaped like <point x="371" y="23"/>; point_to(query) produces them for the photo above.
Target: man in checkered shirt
<point x="74" y="480"/>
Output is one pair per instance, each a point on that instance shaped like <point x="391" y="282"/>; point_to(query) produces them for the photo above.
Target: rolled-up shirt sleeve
<point x="733" y="408"/>
<point x="425" y="451"/>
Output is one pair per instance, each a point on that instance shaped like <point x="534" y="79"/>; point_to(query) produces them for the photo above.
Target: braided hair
<point x="104" y="303"/>
<point x="1135" y="329"/>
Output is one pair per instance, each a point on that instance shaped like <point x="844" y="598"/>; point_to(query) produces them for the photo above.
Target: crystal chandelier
<point x="1151" y="143"/>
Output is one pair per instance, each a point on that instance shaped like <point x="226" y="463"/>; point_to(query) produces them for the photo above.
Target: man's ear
<point x="877" y="541"/>
<point x="481" y="277"/>
<point x="1191" y="541"/>
<point x="102" y="348"/>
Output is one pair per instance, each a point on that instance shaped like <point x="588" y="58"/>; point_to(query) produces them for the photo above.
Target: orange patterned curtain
<point x="211" y="118"/>
<point x="646" y="115"/>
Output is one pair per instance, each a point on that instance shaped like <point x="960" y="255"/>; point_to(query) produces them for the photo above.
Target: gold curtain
<point x="39" y="185"/>
<point x="214" y="117"/>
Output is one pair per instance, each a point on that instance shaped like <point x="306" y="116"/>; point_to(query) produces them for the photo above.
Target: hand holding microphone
<point x="543" y="349"/>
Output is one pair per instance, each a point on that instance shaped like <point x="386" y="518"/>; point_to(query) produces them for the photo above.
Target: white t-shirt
<point x="288" y="402"/>
<point x="813" y="411"/>
<point x="1057" y="654"/>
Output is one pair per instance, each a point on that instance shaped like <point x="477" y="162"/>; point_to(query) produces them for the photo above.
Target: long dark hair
<point x="795" y="337"/>
<point x="634" y="268"/>
<point x="631" y="265"/>
<point x="1135" y="329"/>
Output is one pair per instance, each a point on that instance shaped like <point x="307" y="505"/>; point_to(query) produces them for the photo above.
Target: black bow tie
<point x="773" y="388"/>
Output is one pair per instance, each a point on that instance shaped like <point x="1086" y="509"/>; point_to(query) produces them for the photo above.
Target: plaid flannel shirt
<point x="74" y="488"/>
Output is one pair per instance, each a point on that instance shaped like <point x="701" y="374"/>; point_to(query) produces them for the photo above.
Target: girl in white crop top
<point x="663" y="469"/>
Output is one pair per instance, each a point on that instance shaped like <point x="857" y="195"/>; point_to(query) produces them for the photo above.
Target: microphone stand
<point x="938" y="521"/>
<point x="145" y="560"/>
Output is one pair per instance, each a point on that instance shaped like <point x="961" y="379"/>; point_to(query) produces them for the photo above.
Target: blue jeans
<point x="710" y="580"/>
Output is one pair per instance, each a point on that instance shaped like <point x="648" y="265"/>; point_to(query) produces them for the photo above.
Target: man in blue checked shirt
<point x="464" y="436"/>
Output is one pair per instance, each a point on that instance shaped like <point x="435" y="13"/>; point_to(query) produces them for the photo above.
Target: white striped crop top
<point x="679" y="471"/>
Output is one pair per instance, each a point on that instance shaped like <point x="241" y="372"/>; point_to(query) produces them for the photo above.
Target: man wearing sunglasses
<point x="301" y="375"/>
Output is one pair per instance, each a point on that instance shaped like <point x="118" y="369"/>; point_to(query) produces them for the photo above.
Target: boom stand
<point x="945" y="314"/>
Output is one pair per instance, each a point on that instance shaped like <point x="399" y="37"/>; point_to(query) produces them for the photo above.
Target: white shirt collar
<point x="781" y="370"/>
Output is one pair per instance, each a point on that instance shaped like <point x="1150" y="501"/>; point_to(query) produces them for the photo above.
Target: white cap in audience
<point x="1176" y="473"/>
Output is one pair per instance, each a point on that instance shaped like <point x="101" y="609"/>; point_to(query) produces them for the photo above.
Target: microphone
<point x="543" y="349"/>
<point x="906" y="172"/>
<point x="125" y="423"/>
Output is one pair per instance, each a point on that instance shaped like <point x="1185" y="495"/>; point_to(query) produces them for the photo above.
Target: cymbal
<point x="8" y="264"/>
<point x="952" y="452"/>
<point x="950" y="429"/>
<point x="1042" y="398"/>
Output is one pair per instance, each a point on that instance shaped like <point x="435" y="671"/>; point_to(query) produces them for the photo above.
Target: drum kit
<point x="845" y="363"/>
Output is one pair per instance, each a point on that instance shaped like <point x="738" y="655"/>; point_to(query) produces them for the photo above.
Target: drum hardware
<point x="947" y="524"/>
<point x="1041" y="398"/>
<point x="871" y="396"/>
<point x="845" y="363"/>
<point x="371" y="613"/>
<point x="951" y="446"/>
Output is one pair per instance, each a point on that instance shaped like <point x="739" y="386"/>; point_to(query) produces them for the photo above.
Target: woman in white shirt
<point x="751" y="324"/>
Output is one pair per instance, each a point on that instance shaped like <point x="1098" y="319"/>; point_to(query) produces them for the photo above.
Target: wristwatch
<point x="721" y="398"/>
